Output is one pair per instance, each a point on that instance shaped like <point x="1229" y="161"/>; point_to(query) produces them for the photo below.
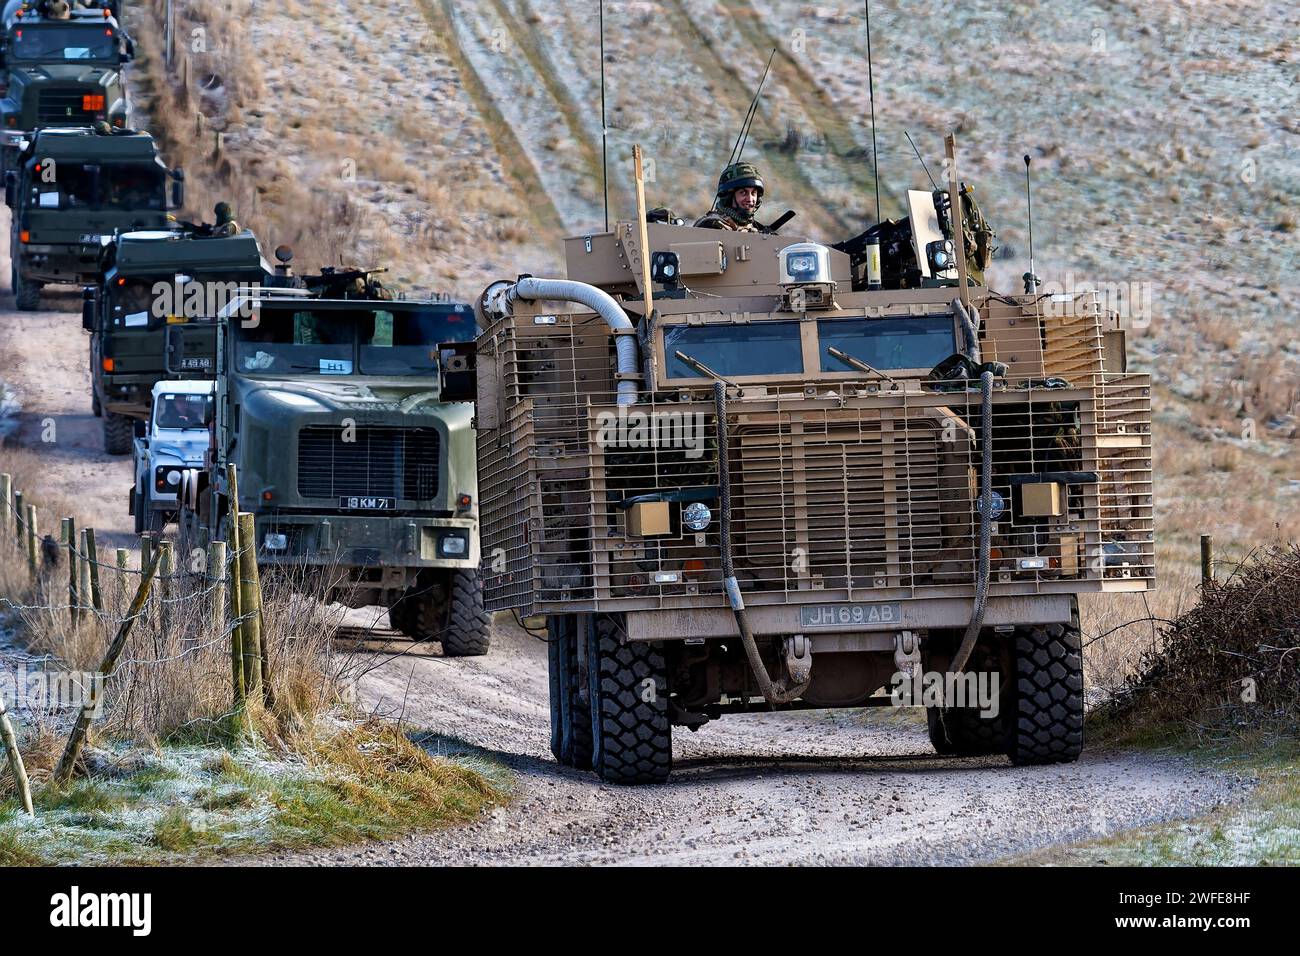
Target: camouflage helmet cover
<point x="738" y="176"/>
<point x="224" y="212"/>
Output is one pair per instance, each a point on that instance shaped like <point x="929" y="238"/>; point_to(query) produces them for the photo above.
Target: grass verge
<point x="338" y="784"/>
<point x="1263" y="831"/>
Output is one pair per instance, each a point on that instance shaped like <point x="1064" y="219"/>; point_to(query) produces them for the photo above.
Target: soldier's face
<point x="747" y="198"/>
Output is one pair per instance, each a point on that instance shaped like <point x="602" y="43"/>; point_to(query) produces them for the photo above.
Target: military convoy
<point x="72" y="187"/>
<point x="349" y="422"/>
<point x="733" y="470"/>
<point x="741" y="471"/>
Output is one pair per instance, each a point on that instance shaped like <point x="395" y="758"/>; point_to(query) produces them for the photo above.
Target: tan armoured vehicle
<point x="798" y="476"/>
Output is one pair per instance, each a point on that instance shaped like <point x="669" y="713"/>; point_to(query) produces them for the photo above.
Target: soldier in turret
<point x="740" y="193"/>
<point x="226" y="224"/>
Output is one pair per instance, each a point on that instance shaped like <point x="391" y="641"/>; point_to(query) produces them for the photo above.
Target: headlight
<point x="805" y="262"/>
<point x="696" y="516"/>
<point x="173" y="478"/>
<point x="801" y="266"/>
<point x="453" y="546"/>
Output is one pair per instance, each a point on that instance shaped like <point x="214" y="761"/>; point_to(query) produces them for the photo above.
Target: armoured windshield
<point x="757" y="348"/>
<point x="108" y="186"/>
<point x="912" y="343"/>
<point x="183" y="411"/>
<point x="394" y="340"/>
<point x="54" y="42"/>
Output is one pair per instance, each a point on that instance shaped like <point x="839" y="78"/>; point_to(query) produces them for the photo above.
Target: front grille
<point x="380" y="461"/>
<point x="64" y="106"/>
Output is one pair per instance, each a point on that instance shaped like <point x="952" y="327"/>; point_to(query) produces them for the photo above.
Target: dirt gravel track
<point x="812" y="787"/>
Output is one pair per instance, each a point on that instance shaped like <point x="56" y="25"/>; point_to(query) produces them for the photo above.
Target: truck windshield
<point x="406" y="342"/>
<point x="914" y="342"/>
<point x="63" y="42"/>
<point x="757" y="348"/>
<point x="109" y="186"/>
<point x="393" y="340"/>
<point x="131" y="303"/>
<point x="183" y="411"/>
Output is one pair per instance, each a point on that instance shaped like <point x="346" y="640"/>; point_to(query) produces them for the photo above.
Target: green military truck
<point x="150" y="283"/>
<point x="60" y="71"/>
<point x="350" y="423"/>
<point x="70" y="188"/>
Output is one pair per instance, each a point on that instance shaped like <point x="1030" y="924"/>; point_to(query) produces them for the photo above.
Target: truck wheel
<point x="154" y="521"/>
<point x="27" y="294"/>
<point x="118" y="433"/>
<point x="962" y="731"/>
<point x="1049" y="694"/>
<point x="401" y="615"/>
<point x="570" y="714"/>
<point x="628" y="692"/>
<point x="466" y="631"/>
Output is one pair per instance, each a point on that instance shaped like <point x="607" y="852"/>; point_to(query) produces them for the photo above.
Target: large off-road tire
<point x="401" y="615"/>
<point x="153" y="520"/>
<point x="449" y="611"/>
<point x="964" y="731"/>
<point x="628" y="693"/>
<point x="1049" y="694"/>
<point x="570" y="712"/>
<point x="27" y="294"/>
<point x="468" y="627"/>
<point x="119" y="431"/>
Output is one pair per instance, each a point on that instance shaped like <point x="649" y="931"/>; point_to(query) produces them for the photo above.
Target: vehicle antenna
<point x="922" y="161"/>
<point x="871" y="89"/>
<point x="1031" y="278"/>
<point x="604" y="128"/>
<point x="738" y="150"/>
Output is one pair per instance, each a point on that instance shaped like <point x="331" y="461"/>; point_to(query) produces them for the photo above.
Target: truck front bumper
<point x="58" y="263"/>
<point x="345" y="541"/>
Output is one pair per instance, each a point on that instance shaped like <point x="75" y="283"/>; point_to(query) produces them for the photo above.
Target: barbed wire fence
<point x="159" y="634"/>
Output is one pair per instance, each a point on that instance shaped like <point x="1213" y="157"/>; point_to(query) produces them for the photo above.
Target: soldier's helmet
<point x="224" y="213"/>
<point x="738" y="176"/>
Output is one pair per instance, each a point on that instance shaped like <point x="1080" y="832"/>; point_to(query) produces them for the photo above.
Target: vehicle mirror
<point x="458" y="371"/>
<point x="89" y="301"/>
<point x="178" y="188"/>
<point x="11" y="189"/>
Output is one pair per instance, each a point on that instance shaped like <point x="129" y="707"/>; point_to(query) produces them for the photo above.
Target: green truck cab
<point x="350" y="423"/>
<point x="150" y="283"/>
<point x="70" y="188"/>
<point x="60" y="72"/>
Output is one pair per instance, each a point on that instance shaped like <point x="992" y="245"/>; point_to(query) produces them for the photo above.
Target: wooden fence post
<point x="77" y="739"/>
<point x="92" y="553"/>
<point x="85" y="563"/>
<point x="15" y="759"/>
<point x="236" y="615"/>
<point x="6" y="500"/>
<point x="31" y="542"/>
<point x="123" y="566"/>
<point x="250" y="603"/>
<point x="68" y="537"/>
<point x="20" y="516"/>
<point x="166" y="568"/>
<point x="216" y="579"/>
<point x="1207" y="559"/>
